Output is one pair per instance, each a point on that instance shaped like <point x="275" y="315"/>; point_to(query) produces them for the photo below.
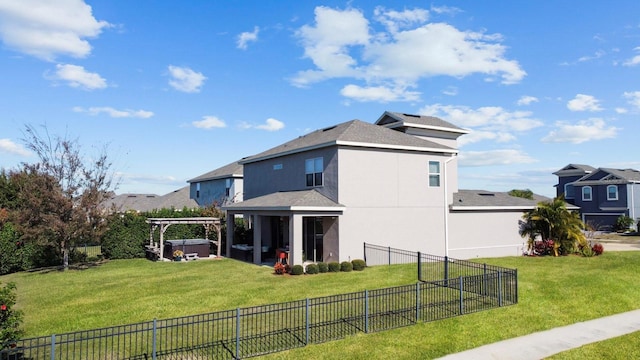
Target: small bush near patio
<point x="312" y="269"/>
<point x="358" y="264"/>
<point x="323" y="267"/>
<point x="297" y="270"/>
<point x="334" y="266"/>
<point x="346" y="266"/>
<point x="279" y="269"/>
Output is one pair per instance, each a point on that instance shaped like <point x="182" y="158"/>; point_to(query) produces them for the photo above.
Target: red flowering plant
<point x="10" y="319"/>
<point x="281" y="269"/>
<point x="598" y="249"/>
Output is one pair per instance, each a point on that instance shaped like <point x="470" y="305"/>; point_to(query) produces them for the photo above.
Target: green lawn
<point x="553" y="292"/>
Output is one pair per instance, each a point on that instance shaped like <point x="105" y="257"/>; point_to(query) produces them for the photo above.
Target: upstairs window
<point x="313" y="171"/>
<point x="586" y="193"/>
<point x="612" y="192"/>
<point x="568" y="191"/>
<point x="434" y="173"/>
<point x="197" y="190"/>
<point x="227" y="187"/>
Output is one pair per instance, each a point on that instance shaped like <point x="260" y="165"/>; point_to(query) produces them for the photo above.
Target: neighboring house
<point x="323" y="195"/>
<point x="178" y="199"/>
<point x="602" y="194"/>
<point x="220" y="186"/>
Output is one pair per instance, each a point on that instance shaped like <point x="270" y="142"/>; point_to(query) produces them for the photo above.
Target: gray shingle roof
<point x="390" y="117"/>
<point x="286" y="200"/>
<point x="573" y="169"/>
<point x="482" y="198"/>
<point x="351" y="133"/>
<point x="233" y="169"/>
<point x="614" y="176"/>
<point x="177" y="199"/>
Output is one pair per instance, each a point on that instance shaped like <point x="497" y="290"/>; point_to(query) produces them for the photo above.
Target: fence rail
<point x="258" y="330"/>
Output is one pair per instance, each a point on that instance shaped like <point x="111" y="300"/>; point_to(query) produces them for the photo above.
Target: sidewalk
<point x="546" y="343"/>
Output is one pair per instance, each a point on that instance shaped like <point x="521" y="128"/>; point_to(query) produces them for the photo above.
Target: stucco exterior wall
<point x="389" y="202"/>
<point x="474" y="234"/>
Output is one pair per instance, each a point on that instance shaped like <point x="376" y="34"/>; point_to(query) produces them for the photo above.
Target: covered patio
<point x="303" y="225"/>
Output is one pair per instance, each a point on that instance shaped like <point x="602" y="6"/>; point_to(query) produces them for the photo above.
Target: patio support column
<point x="295" y="239"/>
<point x="230" y="230"/>
<point x="257" y="240"/>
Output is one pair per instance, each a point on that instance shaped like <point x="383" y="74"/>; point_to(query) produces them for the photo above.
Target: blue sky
<point x="176" y="89"/>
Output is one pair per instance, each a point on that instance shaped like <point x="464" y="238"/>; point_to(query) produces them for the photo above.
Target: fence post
<point x="389" y="250"/>
<point x="154" y="339"/>
<point x="515" y="282"/>
<point x="484" y="280"/>
<point x="419" y="266"/>
<point x="417" y="302"/>
<point x="499" y="288"/>
<point x="53" y="347"/>
<point x="461" y="296"/>
<point x="366" y="311"/>
<point x="446" y="270"/>
<point x="364" y="245"/>
<point x="237" y="333"/>
<point x="306" y="316"/>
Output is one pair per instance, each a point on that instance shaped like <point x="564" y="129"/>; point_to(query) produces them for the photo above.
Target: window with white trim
<point x="434" y="173"/>
<point x="612" y="192"/>
<point x="227" y="187"/>
<point x="313" y="171"/>
<point x="586" y="193"/>
<point x="568" y="191"/>
<point x="197" y="190"/>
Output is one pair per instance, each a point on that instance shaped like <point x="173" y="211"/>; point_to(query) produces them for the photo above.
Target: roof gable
<point x="418" y="121"/>
<point x="351" y="133"/>
<point x="609" y="176"/>
<point x="575" y="169"/>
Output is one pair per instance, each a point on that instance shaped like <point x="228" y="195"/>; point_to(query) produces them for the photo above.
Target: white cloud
<point x="450" y="90"/>
<point x="378" y="93"/>
<point x="584" y="103"/>
<point x="598" y="54"/>
<point x="586" y="130"/>
<point x="245" y="37"/>
<point x="47" y="29"/>
<point x="8" y="146"/>
<point x="342" y="43"/>
<point x="620" y="110"/>
<point x="494" y="157"/>
<point x="484" y="118"/>
<point x="477" y="136"/>
<point x="209" y="122"/>
<point x="394" y="20"/>
<point x="185" y="80"/>
<point x="76" y="76"/>
<point x="633" y="98"/>
<point x="527" y="100"/>
<point x="271" y="125"/>
<point x="114" y="113"/>
<point x="634" y="60"/>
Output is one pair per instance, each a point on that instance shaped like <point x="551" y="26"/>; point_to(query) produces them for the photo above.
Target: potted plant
<point x="177" y="255"/>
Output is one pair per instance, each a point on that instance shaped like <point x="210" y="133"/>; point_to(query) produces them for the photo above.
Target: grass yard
<point x="553" y="292"/>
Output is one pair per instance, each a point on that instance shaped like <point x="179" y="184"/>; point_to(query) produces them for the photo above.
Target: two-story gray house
<point x="321" y="196"/>
<point x="220" y="186"/>
<point x="602" y="194"/>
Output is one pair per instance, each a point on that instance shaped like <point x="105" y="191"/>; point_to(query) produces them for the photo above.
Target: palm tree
<point x="551" y="220"/>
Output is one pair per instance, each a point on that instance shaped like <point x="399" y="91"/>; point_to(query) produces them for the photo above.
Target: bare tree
<point x="70" y="212"/>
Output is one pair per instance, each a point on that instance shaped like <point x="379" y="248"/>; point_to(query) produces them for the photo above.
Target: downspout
<point x="446" y="206"/>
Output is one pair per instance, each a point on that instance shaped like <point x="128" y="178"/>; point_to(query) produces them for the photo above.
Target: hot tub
<point x="187" y="246"/>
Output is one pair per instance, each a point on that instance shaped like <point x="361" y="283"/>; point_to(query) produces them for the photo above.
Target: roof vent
<point x="329" y="128"/>
<point x="486" y="194"/>
<point x="411" y="115"/>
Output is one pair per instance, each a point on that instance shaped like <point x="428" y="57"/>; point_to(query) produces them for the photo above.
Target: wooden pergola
<point x="164" y="223"/>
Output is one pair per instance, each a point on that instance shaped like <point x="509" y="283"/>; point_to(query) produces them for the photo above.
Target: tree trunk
<point x="65" y="256"/>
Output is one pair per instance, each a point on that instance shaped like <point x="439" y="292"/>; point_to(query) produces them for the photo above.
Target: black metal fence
<point x="254" y="331"/>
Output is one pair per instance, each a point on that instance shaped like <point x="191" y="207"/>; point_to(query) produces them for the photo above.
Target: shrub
<point x="334" y="266"/>
<point x="323" y="267"/>
<point x="312" y="269"/>
<point x="297" y="270"/>
<point x="587" y="251"/>
<point x="10" y="319"/>
<point x="623" y="223"/>
<point x="346" y="266"/>
<point x="358" y="264"/>
<point x="598" y="249"/>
